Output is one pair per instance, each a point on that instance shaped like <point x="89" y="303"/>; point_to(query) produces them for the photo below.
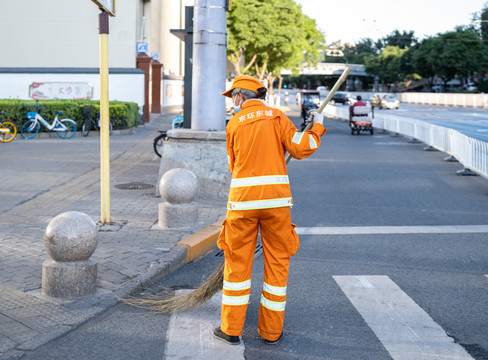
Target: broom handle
<point x="336" y="86"/>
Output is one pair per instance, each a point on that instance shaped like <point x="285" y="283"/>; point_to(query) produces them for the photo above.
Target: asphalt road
<point x="469" y="121"/>
<point x="375" y="208"/>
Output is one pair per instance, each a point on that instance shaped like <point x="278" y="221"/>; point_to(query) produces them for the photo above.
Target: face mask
<point x="236" y="108"/>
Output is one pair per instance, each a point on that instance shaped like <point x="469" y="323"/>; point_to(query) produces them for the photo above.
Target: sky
<point x="352" y="20"/>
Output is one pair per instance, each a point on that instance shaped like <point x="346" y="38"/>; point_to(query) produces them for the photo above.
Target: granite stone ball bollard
<point x="178" y="187"/>
<point x="70" y="239"/>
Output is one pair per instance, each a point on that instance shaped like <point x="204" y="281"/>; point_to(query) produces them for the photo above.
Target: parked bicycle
<point x="8" y="130"/>
<point x="89" y="123"/>
<point x="65" y="128"/>
<point x="158" y="142"/>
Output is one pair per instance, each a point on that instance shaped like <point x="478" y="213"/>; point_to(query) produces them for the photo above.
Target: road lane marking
<point x="190" y="334"/>
<point x="405" y="330"/>
<point x="366" y="230"/>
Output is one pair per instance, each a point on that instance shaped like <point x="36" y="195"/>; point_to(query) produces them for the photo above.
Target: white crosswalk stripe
<point x="405" y="330"/>
<point x="190" y="334"/>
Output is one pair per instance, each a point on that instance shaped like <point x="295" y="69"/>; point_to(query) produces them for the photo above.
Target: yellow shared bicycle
<point x="8" y="130"/>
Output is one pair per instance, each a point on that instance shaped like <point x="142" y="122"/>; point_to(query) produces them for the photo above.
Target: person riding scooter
<point x="359" y="102"/>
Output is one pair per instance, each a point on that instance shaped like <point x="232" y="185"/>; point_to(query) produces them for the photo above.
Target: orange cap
<point x="245" y="82"/>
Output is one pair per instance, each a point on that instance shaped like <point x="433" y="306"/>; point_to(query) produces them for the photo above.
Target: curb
<point x="185" y="251"/>
<point x="202" y="242"/>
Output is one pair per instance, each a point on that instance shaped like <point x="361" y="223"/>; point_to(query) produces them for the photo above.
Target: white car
<point x="323" y="91"/>
<point x="385" y="101"/>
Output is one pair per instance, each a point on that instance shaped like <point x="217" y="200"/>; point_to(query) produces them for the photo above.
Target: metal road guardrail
<point x="446" y="99"/>
<point x="439" y="99"/>
<point x="471" y="153"/>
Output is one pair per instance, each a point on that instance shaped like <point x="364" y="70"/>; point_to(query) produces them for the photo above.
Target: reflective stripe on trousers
<point x="273" y="305"/>
<point x="235" y="300"/>
<point x="274" y="290"/>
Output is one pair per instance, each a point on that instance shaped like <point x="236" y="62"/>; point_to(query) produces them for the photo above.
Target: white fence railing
<point x="470" y="152"/>
<point x="447" y="99"/>
<point x="444" y="99"/>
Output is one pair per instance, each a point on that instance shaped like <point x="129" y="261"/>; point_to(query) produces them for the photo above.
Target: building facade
<point x="54" y="41"/>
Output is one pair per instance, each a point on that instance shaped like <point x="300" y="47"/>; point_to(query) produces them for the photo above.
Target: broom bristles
<point x="183" y="302"/>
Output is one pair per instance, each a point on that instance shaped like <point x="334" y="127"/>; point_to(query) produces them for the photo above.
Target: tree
<point x="402" y="40"/>
<point x="305" y="49"/>
<point x="244" y="24"/>
<point x="481" y="17"/>
<point x="459" y="53"/>
<point x="266" y="36"/>
<point x="387" y="65"/>
<point x="423" y="58"/>
<point x="354" y="53"/>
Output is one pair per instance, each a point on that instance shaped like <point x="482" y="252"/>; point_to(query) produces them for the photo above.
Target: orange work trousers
<point x="238" y="240"/>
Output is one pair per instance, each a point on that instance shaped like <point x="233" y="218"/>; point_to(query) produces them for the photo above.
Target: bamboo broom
<point x="186" y="301"/>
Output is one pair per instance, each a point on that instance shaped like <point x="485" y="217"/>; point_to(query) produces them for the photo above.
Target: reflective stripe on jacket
<point x="258" y="137"/>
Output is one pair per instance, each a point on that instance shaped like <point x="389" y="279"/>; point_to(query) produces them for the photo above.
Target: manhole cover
<point x="135" y="186"/>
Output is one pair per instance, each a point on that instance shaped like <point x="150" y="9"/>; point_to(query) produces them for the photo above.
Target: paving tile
<point x="29" y="319"/>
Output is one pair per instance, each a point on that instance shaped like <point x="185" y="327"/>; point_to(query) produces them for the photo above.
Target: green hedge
<point x="122" y="114"/>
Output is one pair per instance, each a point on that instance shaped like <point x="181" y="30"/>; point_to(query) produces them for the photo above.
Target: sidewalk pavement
<point x="128" y="259"/>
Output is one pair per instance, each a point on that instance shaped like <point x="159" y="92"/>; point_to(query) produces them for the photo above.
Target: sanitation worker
<point x="258" y="138"/>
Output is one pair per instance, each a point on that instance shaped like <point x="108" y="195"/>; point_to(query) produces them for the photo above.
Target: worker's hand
<point x="316" y="118"/>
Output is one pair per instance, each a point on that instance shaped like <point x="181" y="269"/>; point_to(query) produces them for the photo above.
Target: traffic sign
<point x="107" y="5"/>
<point x="142" y="47"/>
<point x="155" y="56"/>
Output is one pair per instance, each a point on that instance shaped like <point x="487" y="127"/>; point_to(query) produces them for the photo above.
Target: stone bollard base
<point x="178" y="216"/>
<point x="69" y="279"/>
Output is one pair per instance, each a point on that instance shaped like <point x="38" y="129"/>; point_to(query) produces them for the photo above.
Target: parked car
<point x="388" y="101"/>
<point x="341" y="98"/>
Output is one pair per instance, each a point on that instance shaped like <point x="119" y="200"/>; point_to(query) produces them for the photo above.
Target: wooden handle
<point x="321" y="108"/>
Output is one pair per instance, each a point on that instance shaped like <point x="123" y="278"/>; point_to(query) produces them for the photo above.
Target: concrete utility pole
<point x="209" y="65"/>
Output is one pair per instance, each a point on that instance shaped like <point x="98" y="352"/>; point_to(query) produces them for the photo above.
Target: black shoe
<point x="273" y="342"/>
<point x="229" y="339"/>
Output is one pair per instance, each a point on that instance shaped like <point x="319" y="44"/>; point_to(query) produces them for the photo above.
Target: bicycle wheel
<point x="69" y="129"/>
<point x="8" y="130"/>
<point x="158" y="144"/>
<point x="30" y="129"/>
<point x="109" y="123"/>
<point x="85" y="129"/>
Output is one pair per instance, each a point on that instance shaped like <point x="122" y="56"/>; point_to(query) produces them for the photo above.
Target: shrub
<point x="122" y="114"/>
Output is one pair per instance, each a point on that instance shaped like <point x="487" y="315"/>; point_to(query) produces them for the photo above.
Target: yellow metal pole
<point x="104" y="122"/>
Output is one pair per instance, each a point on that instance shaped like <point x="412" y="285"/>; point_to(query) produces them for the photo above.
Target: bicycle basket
<point x="86" y="110"/>
<point x="31" y="115"/>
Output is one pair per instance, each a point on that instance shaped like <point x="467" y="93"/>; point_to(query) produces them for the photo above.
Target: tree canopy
<point x="398" y="57"/>
<point x="266" y="36"/>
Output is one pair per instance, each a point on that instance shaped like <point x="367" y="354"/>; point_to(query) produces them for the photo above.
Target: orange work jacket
<point x="258" y="138"/>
